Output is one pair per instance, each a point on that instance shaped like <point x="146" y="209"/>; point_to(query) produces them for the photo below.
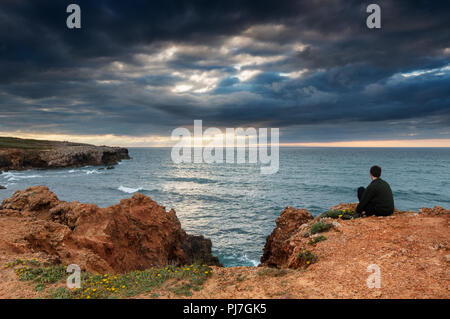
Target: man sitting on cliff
<point x="377" y="198"/>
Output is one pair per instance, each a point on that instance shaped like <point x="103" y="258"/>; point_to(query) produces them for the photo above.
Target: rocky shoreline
<point x="300" y="260"/>
<point x="19" y="154"/>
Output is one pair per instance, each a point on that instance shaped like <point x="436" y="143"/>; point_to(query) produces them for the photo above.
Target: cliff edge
<point x="20" y="154"/>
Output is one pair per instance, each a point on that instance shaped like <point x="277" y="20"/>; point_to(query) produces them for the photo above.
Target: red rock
<point x="278" y="248"/>
<point x="435" y="211"/>
<point x="135" y="234"/>
<point x="287" y="240"/>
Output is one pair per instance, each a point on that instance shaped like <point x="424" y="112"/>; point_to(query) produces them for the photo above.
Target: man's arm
<point x="367" y="196"/>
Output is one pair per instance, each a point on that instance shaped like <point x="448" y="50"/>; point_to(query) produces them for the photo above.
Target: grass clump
<point x="340" y="214"/>
<point x="60" y="293"/>
<point x="20" y="261"/>
<point x="179" y="280"/>
<point x="317" y="239"/>
<point x="182" y="290"/>
<point x="320" y="227"/>
<point x="42" y="275"/>
<point x="307" y="258"/>
<point x="33" y="270"/>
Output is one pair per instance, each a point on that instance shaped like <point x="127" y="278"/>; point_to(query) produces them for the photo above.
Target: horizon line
<point x="165" y="141"/>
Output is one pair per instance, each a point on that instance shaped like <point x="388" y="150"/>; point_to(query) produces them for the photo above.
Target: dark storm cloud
<point x="145" y="67"/>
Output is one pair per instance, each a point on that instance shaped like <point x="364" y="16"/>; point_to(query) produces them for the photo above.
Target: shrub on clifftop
<point x="306" y="258"/>
<point x="317" y="239"/>
<point x="342" y="214"/>
<point x="320" y="227"/>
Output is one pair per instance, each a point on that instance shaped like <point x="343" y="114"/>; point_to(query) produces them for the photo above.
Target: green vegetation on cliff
<point x="29" y="144"/>
<point x="179" y="280"/>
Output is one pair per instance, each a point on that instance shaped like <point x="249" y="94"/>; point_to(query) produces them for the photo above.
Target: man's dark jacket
<point x="377" y="199"/>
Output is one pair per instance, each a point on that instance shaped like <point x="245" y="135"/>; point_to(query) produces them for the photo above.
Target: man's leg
<point x="361" y="192"/>
<point x="383" y="214"/>
<point x="370" y="209"/>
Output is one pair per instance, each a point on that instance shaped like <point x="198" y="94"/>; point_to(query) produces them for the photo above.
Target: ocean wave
<point x="209" y="198"/>
<point x="92" y="171"/>
<point x="413" y="192"/>
<point x="14" y="177"/>
<point x="245" y="259"/>
<point x="129" y="190"/>
<point x="10" y="177"/>
<point x="191" y="179"/>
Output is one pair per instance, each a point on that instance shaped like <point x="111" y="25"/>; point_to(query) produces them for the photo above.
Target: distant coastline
<point x="21" y="154"/>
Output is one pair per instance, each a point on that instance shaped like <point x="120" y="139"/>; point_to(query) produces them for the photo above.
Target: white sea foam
<point x="92" y="171"/>
<point x="249" y="260"/>
<point x="14" y="177"/>
<point x="129" y="190"/>
<point x="30" y="176"/>
<point x="10" y="177"/>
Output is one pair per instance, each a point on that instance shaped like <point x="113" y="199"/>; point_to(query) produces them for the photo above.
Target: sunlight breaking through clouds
<point x="298" y="67"/>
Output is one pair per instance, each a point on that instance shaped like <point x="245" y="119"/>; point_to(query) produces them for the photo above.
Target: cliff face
<point x="43" y="154"/>
<point x="278" y="249"/>
<point x="70" y="156"/>
<point x="83" y="155"/>
<point x="135" y="234"/>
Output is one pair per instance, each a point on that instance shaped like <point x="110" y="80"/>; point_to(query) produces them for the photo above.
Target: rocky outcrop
<point x="411" y="249"/>
<point x="73" y="156"/>
<point x="278" y="247"/>
<point x="292" y="234"/>
<point x="58" y="155"/>
<point x="435" y="211"/>
<point x="135" y="234"/>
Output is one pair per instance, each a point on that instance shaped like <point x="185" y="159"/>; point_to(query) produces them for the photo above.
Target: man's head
<point x="375" y="172"/>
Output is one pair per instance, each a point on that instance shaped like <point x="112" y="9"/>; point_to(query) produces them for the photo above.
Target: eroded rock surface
<point x="60" y="154"/>
<point x="278" y="246"/>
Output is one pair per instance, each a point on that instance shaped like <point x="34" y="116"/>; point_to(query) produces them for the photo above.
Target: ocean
<point x="233" y="204"/>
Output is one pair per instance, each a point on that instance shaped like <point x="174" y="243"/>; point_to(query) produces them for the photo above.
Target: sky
<point x="136" y="70"/>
